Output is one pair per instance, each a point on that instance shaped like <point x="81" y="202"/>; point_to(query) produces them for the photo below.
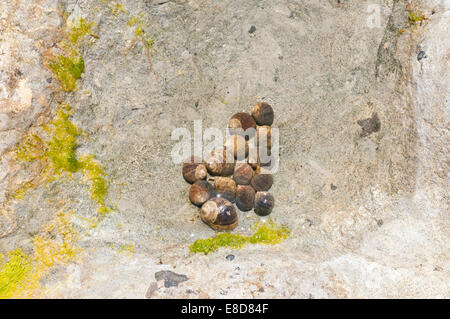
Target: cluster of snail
<point x="238" y="172"/>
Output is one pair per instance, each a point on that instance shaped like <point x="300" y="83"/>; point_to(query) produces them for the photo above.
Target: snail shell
<point x="263" y="113"/>
<point x="219" y="214"/>
<point x="262" y="182"/>
<point x="194" y="169"/>
<point x="200" y="192"/>
<point x="243" y="174"/>
<point x="229" y="163"/>
<point x="264" y="203"/>
<point x="220" y="162"/>
<point x="240" y="122"/>
<point x="225" y="187"/>
<point x="245" y="196"/>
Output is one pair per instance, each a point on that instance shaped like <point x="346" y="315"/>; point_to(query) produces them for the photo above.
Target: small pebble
<point x="170" y="278"/>
<point x="230" y="257"/>
<point x="421" y="55"/>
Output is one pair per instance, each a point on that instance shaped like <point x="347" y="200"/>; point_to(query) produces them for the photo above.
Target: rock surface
<point x="356" y="110"/>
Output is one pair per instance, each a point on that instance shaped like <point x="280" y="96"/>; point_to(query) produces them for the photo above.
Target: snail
<point x="263" y="113"/>
<point x="237" y="145"/>
<point x="245" y="196"/>
<point x="200" y="192"/>
<point x="220" y="162"/>
<point x="243" y="174"/>
<point x="262" y="182"/>
<point x="219" y="214"/>
<point x="225" y="187"/>
<point x="264" y="203"/>
<point x="194" y="169"/>
<point x="241" y="122"/>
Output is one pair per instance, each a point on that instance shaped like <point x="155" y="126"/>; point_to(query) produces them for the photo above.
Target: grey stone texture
<point x="364" y="143"/>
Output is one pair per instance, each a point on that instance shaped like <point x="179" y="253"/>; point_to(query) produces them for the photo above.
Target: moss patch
<point x="69" y="65"/>
<point x="13" y="272"/>
<point x="58" y="155"/>
<point x="20" y="273"/>
<point x="416" y="18"/>
<point x="140" y="33"/>
<point x="79" y="29"/>
<point x="68" y="70"/>
<point x="115" y="7"/>
<point x="94" y="174"/>
<point x="269" y="233"/>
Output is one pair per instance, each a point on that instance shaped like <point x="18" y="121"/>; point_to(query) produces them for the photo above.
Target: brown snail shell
<point x="245" y="196"/>
<point x="194" y="169"/>
<point x="263" y="113"/>
<point x="243" y="174"/>
<point x="220" y="162"/>
<point x="264" y="203"/>
<point x="200" y="192"/>
<point x="215" y="162"/>
<point x="240" y="122"/>
<point x="237" y="145"/>
<point x="225" y="187"/>
<point x="262" y="182"/>
<point x="219" y="214"/>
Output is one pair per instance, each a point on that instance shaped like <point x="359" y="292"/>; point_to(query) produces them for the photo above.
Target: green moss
<point x="62" y="145"/>
<point x="117" y="8"/>
<point x="134" y="21"/>
<point x="416" y="18"/>
<point x="269" y="233"/>
<point x="13" y="272"/>
<point x="31" y="148"/>
<point x="95" y="174"/>
<point x="58" y="153"/>
<point x="79" y="29"/>
<point x="140" y="33"/>
<point x="20" y="274"/>
<point x="22" y="190"/>
<point x="68" y="70"/>
<point x="69" y="65"/>
<point x="149" y="43"/>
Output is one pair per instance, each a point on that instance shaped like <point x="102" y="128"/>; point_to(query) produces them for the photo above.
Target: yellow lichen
<point x="416" y="18"/>
<point x="269" y="233"/>
<point x="69" y="65"/>
<point x="22" y="190"/>
<point x="60" y="148"/>
<point x="115" y="7"/>
<point x="140" y="33"/>
<point x="21" y="273"/>
<point x="95" y="175"/>
<point x="127" y="249"/>
<point x="58" y="155"/>
<point x="78" y="29"/>
<point x="13" y="272"/>
<point x="68" y="70"/>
